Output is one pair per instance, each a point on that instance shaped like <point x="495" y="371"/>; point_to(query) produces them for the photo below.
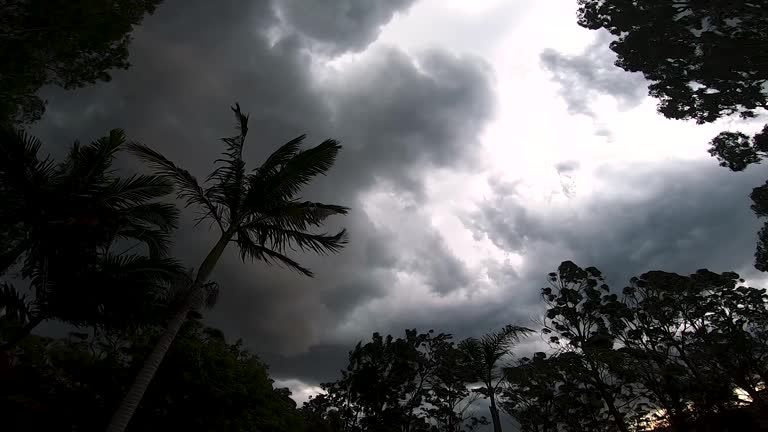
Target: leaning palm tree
<point x="257" y="210"/>
<point x="482" y="357"/>
<point x="62" y="221"/>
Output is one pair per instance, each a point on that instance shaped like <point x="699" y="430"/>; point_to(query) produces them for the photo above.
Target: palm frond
<point x="163" y="216"/>
<point x="279" y="157"/>
<point x="23" y="174"/>
<point x="228" y="178"/>
<point x="251" y="250"/>
<point x="86" y="166"/>
<point x="242" y="120"/>
<point x="14" y="305"/>
<point x="136" y="189"/>
<point x="187" y="186"/>
<point x="502" y="340"/>
<point x="296" y="215"/>
<point x="124" y="292"/>
<point x="20" y="161"/>
<point x="178" y="291"/>
<point x="140" y="269"/>
<point x="483" y="354"/>
<point x="280" y="239"/>
<point x="156" y="241"/>
<point x="285" y="182"/>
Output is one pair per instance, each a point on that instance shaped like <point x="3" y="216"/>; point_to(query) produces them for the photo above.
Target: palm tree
<point x="257" y="210"/>
<point x="60" y="221"/>
<point x="80" y="198"/>
<point x="481" y="358"/>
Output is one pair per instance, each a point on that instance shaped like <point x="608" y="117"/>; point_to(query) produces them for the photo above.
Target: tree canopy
<point x="80" y="44"/>
<point x="705" y="59"/>
<point x="80" y="236"/>
<point x="205" y="383"/>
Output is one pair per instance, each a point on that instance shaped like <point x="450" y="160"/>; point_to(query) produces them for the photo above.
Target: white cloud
<point x="527" y="143"/>
<point x="300" y="391"/>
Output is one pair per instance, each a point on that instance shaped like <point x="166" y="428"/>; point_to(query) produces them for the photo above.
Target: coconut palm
<point x="258" y="210"/>
<point x="482" y="357"/>
<point x="61" y="222"/>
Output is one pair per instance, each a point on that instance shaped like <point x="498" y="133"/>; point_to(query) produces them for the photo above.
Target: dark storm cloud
<point x="340" y="25"/>
<point x="403" y="114"/>
<point x="395" y="114"/>
<point x="584" y="77"/>
<point x="676" y="216"/>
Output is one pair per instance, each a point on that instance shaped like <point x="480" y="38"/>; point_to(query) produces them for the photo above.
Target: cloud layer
<point x="592" y="73"/>
<point x="396" y="114"/>
<point x="403" y="117"/>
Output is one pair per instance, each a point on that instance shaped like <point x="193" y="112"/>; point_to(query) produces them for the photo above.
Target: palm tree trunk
<point x="128" y="406"/>
<point x="23" y="333"/>
<point x="495" y="415"/>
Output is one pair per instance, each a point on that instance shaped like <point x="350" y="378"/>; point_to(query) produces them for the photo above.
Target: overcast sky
<point x="485" y="142"/>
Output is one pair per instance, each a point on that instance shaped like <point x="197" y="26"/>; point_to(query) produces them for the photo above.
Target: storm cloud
<point x="396" y="114"/>
<point x="586" y="76"/>
<point x="676" y="216"/>
<point x="342" y="25"/>
<point x="402" y="116"/>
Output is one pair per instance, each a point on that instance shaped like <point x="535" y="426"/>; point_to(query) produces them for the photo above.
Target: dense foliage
<point x="80" y="44"/>
<point x="705" y="59"/>
<point x="82" y="236"/>
<point x="205" y="383"/>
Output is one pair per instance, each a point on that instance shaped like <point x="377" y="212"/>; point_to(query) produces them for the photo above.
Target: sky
<point x="484" y="142"/>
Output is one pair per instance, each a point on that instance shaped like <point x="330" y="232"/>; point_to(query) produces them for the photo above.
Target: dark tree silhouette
<point x="736" y="150"/>
<point x="482" y="357"/>
<point x="259" y="211"/>
<point x="61" y="223"/>
<point x="206" y="383"/>
<point x="672" y="350"/>
<point x="671" y="354"/>
<point x="77" y="45"/>
<point x="705" y="59"/>
<point x="575" y="322"/>
<point x="415" y="383"/>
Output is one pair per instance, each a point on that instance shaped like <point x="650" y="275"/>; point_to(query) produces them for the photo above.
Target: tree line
<point x="667" y="353"/>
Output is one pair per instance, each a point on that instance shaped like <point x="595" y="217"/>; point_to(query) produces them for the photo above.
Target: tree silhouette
<point x="206" y="383"/>
<point x="62" y="222"/>
<point x="705" y="59"/>
<point x="673" y="350"/>
<point x="76" y="46"/>
<point x="415" y="383"/>
<point x="482" y="357"/>
<point x="671" y="353"/>
<point x="258" y="211"/>
<point x="576" y="323"/>
<point x="736" y="150"/>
